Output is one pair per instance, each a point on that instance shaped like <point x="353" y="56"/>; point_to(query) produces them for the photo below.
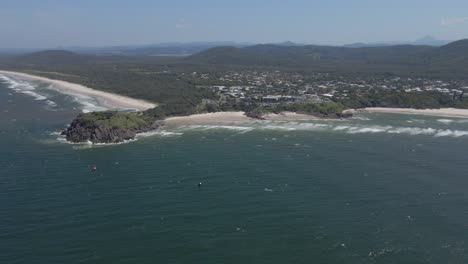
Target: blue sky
<point x="54" y="23"/>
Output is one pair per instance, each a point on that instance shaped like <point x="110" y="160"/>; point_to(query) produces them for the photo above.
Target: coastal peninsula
<point x="119" y="124"/>
<point x="144" y="93"/>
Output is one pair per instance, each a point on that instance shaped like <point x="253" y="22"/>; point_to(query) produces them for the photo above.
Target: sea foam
<point x="282" y="126"/>
<point x="89" y="103"/>
<point x="27" y="88"/>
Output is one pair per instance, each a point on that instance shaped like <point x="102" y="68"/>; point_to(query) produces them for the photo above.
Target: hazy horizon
<point x="52" y="24"/>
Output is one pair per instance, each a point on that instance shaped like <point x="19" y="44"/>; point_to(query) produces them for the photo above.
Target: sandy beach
<point x="230" y="117"/>
<point x="108" y="100"/>
<point x="115" y="101"/>
<point x="443" y="112"/>
<point x="208" y="118"/>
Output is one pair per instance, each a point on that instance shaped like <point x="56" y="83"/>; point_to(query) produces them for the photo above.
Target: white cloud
<point x="449" y="21"/>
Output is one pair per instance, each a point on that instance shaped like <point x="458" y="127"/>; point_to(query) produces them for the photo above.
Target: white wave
<point x="89" y="104"/>
<point x="26" y="88"/>
<point x="409" y="131"/>
<point x="89" y="144"/>
<point x="63" y="139"/>
<point x="458" y="133"/>
<point x="359" y="130"/>
<point x="338" y="128"/>
<point x="84" y="145"/>
<point x="342" y="128"/>
<point x="241" y="129"/>
<point x="361" y="118"/>
<point x="16" y="84"/>
<point x="161" y="133"/>
<point x="412" y="131"/>
<point x="273" y="127"/>
<point x="236" y="128"/>
<point x="443" y="133"/>
<point x="450" y="133"/>
<point x="420" y="121"/>
<point x="445" y="121"/>
<point x="36" y="96"/>
<point x="56" y="133"/>
<point x="451" y="121"/>
<point x="51" y="103"/>
<point x="291" y="126"/>
<point x="312" y="126"/>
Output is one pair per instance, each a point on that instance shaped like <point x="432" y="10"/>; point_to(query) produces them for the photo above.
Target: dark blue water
<point x="379" y="189"/>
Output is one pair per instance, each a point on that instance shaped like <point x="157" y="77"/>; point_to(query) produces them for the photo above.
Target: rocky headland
<point x="109" y="127"/>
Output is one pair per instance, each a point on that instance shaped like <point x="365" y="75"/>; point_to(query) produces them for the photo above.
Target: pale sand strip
<point x="229" y="117"/>
<point x="108" y="100"/>
<point x="111" y="100"/>
<point x="207" y="118"/>
<point x="444" y="112"/>
<point x="291" y="116"/>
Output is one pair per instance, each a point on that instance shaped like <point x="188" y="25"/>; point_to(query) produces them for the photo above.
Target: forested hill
<point x="401" y="58"/>
<point x="52" y="57"/>
<point x="143" y="78"/>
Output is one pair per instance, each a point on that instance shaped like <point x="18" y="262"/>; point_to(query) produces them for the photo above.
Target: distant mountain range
<point x="427" y="40"/>
<point x="183" y="49"/>
<point x="189" y="48"/>
<point x="168" y="49"/>
<point x="450" y="60"/>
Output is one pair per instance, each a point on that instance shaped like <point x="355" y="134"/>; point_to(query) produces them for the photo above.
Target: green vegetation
<point x="316" y="80"/>
<point x="325" y="109"/>
<point x="427" y="100"/>
<point x="114" y="119"/>
<point x="172" y="109"/>
<point x="448" y="61"/>
<point x="180" y="86"/>
<point x="150" y="79"/>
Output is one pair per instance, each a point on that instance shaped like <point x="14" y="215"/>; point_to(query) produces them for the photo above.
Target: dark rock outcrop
<point x="254" y="115"/>
<point x="345" y="114"/>
<point x="80" y="131"/>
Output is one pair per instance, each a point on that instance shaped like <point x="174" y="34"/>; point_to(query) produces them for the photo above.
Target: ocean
<point x="379" y="188"/>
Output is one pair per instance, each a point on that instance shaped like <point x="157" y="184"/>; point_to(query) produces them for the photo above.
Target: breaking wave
<point x="89" y="103"/>
<point x="318" y="127"/>
<point x="445" y="121"/>
<point x="27" y="88"/>
<point x="161" y="133"/>
<point x="241" y="129"/>
<point x="452" y="121"/>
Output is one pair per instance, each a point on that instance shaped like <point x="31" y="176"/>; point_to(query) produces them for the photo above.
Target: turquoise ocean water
<point x="380" y="188"/>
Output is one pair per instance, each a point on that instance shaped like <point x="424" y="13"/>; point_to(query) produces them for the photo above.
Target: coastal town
<point x="283" y="87"/>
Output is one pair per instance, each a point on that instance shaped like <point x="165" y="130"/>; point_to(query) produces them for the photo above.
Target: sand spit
<point x="108" y="100"/>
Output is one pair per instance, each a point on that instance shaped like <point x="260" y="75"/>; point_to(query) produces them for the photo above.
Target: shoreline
<point x="105" y="99"/>
<point x="116" y="101"/>
<point x="442" y="112"/>
<point x="230" y="117"/>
